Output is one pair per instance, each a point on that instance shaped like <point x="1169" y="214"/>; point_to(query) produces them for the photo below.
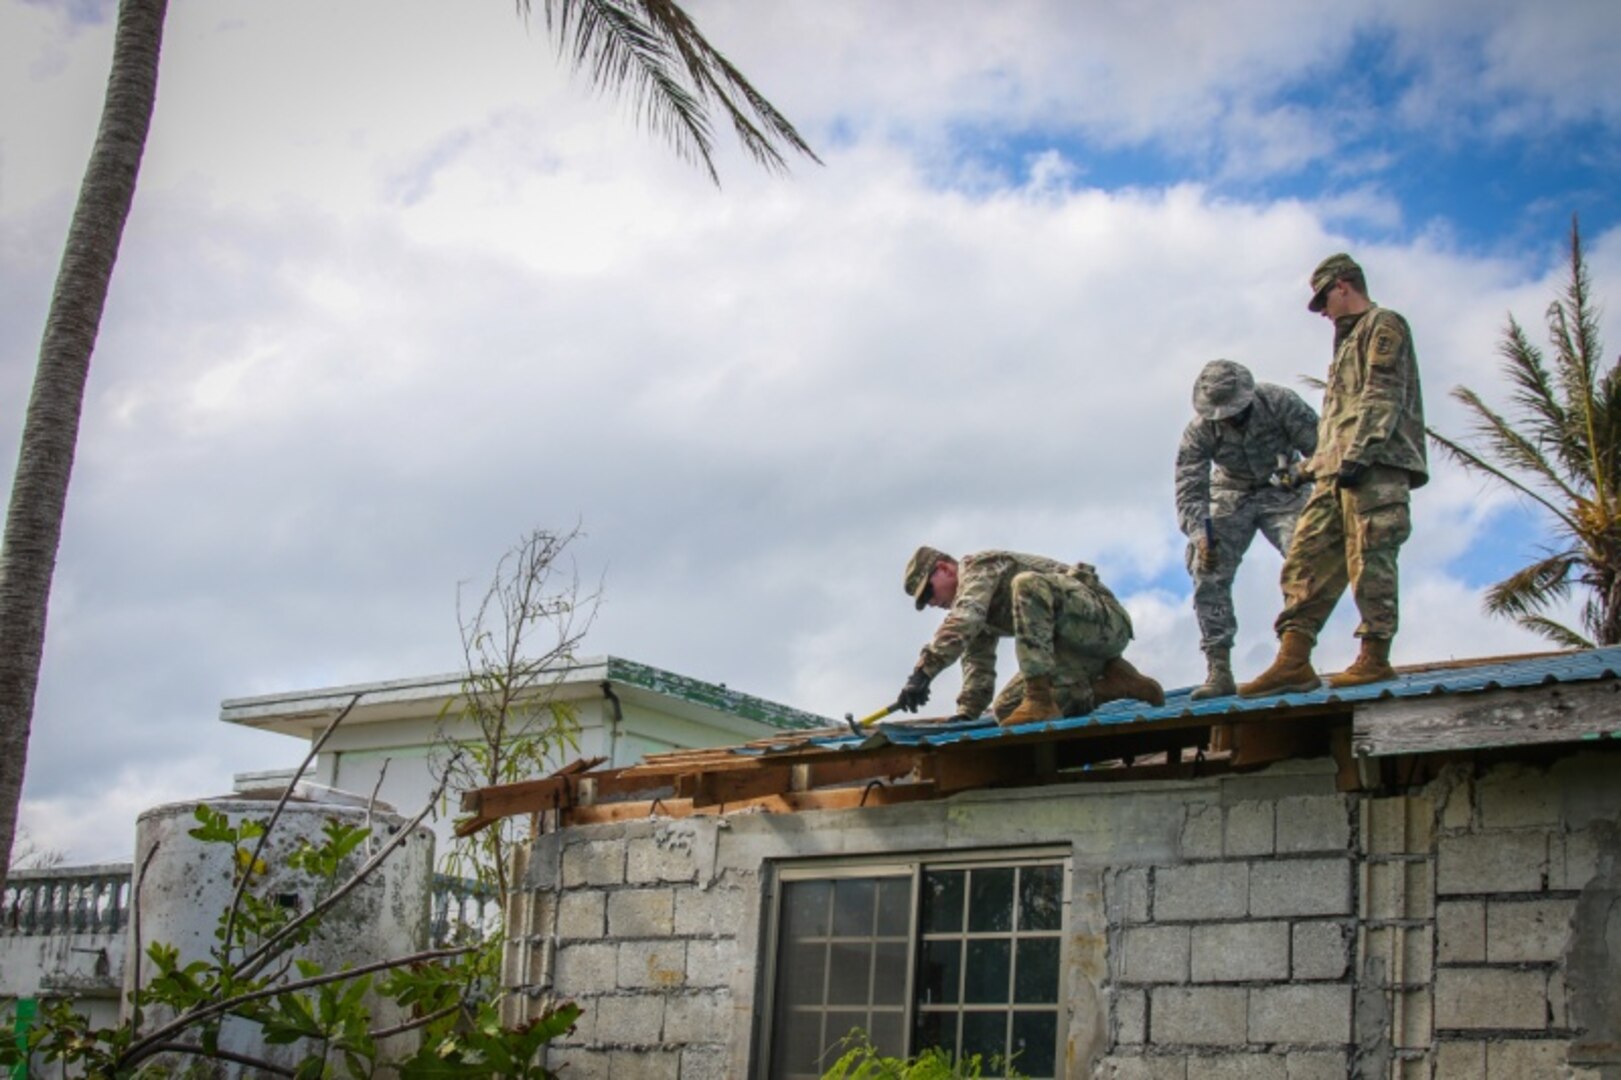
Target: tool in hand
<point x="1207" y="550"/>
<point x="856" y="726"/>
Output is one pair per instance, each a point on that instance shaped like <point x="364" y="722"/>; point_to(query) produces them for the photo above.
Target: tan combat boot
<point x="1121" y="680"/>
<point x="1038" y="704"/>
<point x="1371" y="665"/>
<point x="1290" y="673"/>
<point x="1218" y="680"/>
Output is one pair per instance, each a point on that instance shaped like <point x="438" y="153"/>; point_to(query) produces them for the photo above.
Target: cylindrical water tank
<point x="184" y="884"/>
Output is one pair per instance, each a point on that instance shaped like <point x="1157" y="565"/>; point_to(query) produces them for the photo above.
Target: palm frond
<point x="674" y="76"/>
<point x="1534" y="394"/>
<point x="1532" y="588"/>
<point x="1558" y="633"/>
<point x="1514" y="452"/>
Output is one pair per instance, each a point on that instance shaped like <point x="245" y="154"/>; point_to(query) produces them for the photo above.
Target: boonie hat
<point x="918" y="570"/>
<point x="1223" y="389"/>
<point x="1327" y="273"/>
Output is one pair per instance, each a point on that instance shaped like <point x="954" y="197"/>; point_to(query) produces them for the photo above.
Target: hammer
<point x="869" y="720"/>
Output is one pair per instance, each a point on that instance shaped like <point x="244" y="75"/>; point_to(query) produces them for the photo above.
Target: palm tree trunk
<point x="51" y="429"/>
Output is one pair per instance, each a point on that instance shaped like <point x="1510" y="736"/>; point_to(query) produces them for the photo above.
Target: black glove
<point x="915" y="694"/>
<point x="1351" y="474"/>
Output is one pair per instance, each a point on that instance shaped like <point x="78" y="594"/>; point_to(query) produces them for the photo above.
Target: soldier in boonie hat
<point x="1223" y="390"/>
<point x="1333" y="269"/>
<point x="919" y="570"/>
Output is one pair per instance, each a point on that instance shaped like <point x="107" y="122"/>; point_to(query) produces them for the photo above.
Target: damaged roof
<point x="1428" y="710"/>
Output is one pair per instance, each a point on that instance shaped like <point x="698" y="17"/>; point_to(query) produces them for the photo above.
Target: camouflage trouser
<point x="1349" y="537"/>
<point x="1235" y="518"/>
<point x="1066" y="629"/>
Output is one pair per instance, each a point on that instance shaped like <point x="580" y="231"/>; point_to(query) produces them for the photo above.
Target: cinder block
<point x="1197" y="1016"/>
<point x="698" y="1018"/>
<point x="1316" y="1065"/>
<point x="1558" y="999"/>
<point x="1240" y="952"/>
<point x="641" y="913"/>
<point x="1572" y="860"/>
<point x="1527" y="931"/>
<point x="594" y="862"/>
<point x="1398" y="889"/>
<point x="1404" y="950"/>
<point x="1319" y="950"/>
<point x="1491" y="998"/>
<point x="663" y="857"/>
<point x="1460" y="1060"/>
<point x="1142" y="1068"/>
<point x="1400" y="826"/>
<point x="1460" y="927"/>
<point x="1313" y="1013"/>
<point x="1524" y="1059"/>
<point x="645" y="1064"/>
<point x="1130" y="1017"/>
<point x="1313" y="823"/>
<point x="1513" y="797"/>
<point x="586" y="969"/>
<point x="1251" y="829"/>
<point x="646" y="965"/>
<point x="1154" y="954"/>
<point x="1201" y="891"/>
<point x="630" y="1020"/>
<point x="705" y="1063"/>
<point x="580" y="914"/>
<point x="1125" y="896"/>
<point x="716" y="912"/>
<point x="711" y="962"/>
<point x="585" y="1026"/>
<point x="1491" y="862"/>
<point x="1415" y="1026"/>
<point x="583" y="1064"/>
<point x="1300" y="887"/>
<point x="1201" y="832"/>
<point x="1458" y="805"/>
<point x="1241" y="1067"/>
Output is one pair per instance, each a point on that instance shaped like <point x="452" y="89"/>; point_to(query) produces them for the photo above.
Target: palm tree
<point x="1562" y="450"/>
<point x="649" y="46"/>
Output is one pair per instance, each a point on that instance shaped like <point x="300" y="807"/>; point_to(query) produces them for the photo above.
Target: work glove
<point x="1207" y="554"/>
<point x="1351" y="475"/>
<point x="1289" y="476"/>
<point x="915" y="694"/>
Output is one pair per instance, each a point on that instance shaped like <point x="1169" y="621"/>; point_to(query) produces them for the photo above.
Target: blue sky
<point x="381" y="309"/>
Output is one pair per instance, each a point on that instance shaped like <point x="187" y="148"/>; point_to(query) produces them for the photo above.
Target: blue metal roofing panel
<point x="1474" y="677"/>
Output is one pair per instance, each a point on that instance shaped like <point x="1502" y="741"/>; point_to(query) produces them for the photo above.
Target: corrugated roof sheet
<point x="1430" y="680"/>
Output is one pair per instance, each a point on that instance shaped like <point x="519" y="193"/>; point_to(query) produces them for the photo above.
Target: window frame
<point x="780" y="872"/>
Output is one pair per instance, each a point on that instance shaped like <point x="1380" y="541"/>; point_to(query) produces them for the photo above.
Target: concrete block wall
<point x="1259" y="925"/>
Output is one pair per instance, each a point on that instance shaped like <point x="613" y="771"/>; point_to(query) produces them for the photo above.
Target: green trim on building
<point x="698" y="692"/>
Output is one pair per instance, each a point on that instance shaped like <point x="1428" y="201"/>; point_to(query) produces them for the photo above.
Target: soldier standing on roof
<point x="1068" y="631"/>
<point x="1370" y="454"/>
<point x="1237" y="472"/>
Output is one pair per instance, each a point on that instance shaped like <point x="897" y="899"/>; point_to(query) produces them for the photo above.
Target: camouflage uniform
<point x="1223" y="471"/>
<point x="1373" y="413"/>
<point x="1065" y="624"/>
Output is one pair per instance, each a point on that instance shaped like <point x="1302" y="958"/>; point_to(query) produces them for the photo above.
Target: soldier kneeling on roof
<point x="1068" y="631"/>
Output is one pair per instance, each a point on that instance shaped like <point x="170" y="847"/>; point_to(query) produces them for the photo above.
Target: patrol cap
<point x="1327" y="273"/>
<point x="922" y="564"/>
<point x="1223" y="389"/>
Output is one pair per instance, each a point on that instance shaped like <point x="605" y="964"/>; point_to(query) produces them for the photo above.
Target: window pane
<point x="894" y="907"/>
<point x="985" y="1033"/>
<point x="839" y="1026"/>
<point x="942" y="901"/>
<point x="889" y="1033"/>
<point x="889" y="973"/>
<point x="1041" y="898"/>
<point x="800" y="974"/>
<point x="990" y="900"/>
<point x="936" y="1029"/>
<point x="849" y="973"/>
<point x="797" y="1045"/>
<point x="987" y="971"/>
<point x="805" y="907"/>
<point x="938" y="972"/>
<point x="1035" y="1041"/>
<point x="1036" y="978"/>
<point x="852" y="907"/>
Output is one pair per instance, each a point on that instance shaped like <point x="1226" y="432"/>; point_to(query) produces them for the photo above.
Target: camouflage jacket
<point x="980" y="616"/>
<point x="1373" y="410"/>
<point x="1216" y="454"/>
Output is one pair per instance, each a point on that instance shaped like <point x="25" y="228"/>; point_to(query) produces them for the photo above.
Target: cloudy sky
<point x="398" y="288"/>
